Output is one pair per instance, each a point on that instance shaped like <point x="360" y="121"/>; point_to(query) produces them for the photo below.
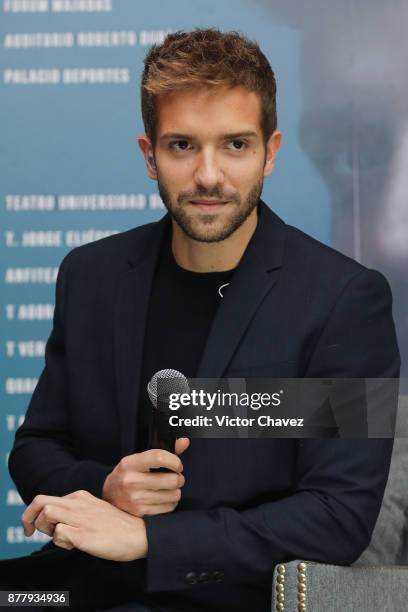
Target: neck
<point x="213" y="256"/>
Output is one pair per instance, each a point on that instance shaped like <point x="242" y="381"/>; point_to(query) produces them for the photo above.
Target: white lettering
<point x="197" y="421"/>
<point x="10" y="348"/>
<point x="42" y="239"/>
<point x="38" y="40"/>
<point x="13" y="498"/>
<point x="10" y="241"/>
<point x="106" y="39"/>
<point x="17" y="203"/>
<point x="34" y="76"/>
<point x="10" y="308"/>
<point x="234" y="421"/>
<point x="267" y="421"/>
<point x="25" y="6"/>
<point x="82" y="6"/>
<point x="20" y="386"/>
<point x="155" y="202"/>
<point x="75" y="238"/>
<point x="93" y="76"/>
<point x="31" y="275"/>
<point x="15" y="535"/>
<point x="102" y="202"/>
<point x="13" y="421"/>
<point x="212" y="397"/>
<point x="31" y="348"/>
<point x="35" y="312"/>
<point x="151" y="37"/>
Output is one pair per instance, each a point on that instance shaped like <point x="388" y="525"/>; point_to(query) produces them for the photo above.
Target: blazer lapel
<point x="130" y="319"/>
<point x="255" y="276"/>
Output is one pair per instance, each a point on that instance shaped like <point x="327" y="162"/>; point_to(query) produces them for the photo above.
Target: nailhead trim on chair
<point x="280" y="588"/>
<point x="301" y="587"/>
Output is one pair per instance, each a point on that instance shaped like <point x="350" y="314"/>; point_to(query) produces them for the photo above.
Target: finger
<point x="32" y="511"/>
<point x="158" y="481"/>
<point x="159" y="509"/>
<point x="64" y="536"/>
<point x="50" y="515"/>
<point x="157" y="498"/>
<point x="44" y="525"/>
<point x="182" y="444"/>
<point x="157" y="457"/>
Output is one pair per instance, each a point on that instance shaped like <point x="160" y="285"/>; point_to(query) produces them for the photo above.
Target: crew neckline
<point x="191" y="273"/>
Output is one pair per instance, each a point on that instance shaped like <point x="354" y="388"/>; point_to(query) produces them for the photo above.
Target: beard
<point x="204" y="227"/>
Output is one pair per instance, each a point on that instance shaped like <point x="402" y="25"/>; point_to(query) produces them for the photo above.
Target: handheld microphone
<point x="162" y="384"/>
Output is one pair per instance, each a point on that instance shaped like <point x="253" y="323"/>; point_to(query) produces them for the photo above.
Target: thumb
<point x="181" y="445"/>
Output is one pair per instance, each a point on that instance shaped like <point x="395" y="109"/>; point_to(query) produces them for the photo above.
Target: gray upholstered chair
<point x="314" y="587"/>
<point x="378" y="580"/>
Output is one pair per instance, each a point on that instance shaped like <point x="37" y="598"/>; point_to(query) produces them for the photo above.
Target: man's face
<point x="210" y="159"/>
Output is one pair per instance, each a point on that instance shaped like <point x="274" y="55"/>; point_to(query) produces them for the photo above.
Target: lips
<point x="208" y="205"/>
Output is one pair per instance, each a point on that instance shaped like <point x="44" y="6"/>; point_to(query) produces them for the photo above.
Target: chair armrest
<point x="306" y="586"/>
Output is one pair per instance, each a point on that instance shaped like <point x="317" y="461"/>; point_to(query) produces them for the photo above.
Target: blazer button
<point x="204" y="577"/>
<point x="191" y="578"/>
<point x="218" y="576"/>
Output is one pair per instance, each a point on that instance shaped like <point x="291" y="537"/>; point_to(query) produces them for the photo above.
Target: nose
<point x="208" y="172"/>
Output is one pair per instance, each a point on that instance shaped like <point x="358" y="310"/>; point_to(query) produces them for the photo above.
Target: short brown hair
<point x="209" y="58"/>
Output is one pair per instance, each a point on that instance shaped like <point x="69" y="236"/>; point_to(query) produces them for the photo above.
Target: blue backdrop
<point x="71" y="171"/>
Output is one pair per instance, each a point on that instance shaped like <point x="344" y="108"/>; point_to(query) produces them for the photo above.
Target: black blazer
<point x="295" y="308"/>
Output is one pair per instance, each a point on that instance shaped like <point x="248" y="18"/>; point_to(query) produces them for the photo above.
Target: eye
<point x="180" y="145"/>
<point x="237" y="145"/>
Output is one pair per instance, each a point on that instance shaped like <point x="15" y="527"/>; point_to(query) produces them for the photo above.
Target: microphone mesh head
<point x="166" y="382"/>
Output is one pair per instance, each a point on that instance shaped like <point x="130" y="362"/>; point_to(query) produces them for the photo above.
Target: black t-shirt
<point x="181" y="309"/>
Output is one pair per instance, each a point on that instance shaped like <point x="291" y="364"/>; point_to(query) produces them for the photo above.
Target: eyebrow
<point x="232" y="135"/>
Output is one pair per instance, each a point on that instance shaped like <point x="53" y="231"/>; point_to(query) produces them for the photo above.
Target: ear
<point x="146" y="148"/>
<point x="272" y="148"/>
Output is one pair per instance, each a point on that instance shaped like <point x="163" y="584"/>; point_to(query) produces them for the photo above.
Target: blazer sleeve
<point x="42" y="458"/>
<point x="339" y="483"/>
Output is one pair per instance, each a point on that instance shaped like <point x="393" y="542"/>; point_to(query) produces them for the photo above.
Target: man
<point x="207" y="535"/>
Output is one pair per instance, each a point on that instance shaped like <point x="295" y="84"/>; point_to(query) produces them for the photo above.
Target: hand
<point x="80" y="520"/>
<point x="134" y="489"/>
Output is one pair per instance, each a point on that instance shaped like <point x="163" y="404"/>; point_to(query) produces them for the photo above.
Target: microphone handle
<point x="160" y="436"/>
